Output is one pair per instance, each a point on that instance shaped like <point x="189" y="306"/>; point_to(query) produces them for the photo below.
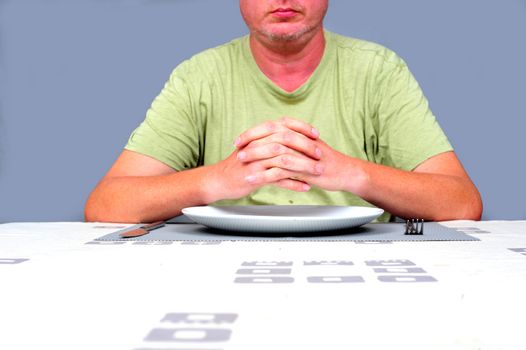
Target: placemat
<point x="370" y="232"/>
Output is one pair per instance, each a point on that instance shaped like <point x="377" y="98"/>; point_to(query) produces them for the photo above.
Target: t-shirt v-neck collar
<point x="302" y="90"/>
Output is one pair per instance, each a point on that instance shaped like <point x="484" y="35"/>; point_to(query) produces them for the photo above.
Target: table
<point x="61" y="289"/>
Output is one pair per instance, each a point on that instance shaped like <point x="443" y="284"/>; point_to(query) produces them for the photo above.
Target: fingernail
<point x="241" y="155"/>
<point x="315" y="132"/>
<point x="237" y="141"/>
<point x="306" y="187"/>
<point x="319" y="169"/>
<point x="250" y="178"/>
<point x="318" y="152"/>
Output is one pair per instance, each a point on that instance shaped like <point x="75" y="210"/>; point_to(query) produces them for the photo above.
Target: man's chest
<point x="338" y="115"/>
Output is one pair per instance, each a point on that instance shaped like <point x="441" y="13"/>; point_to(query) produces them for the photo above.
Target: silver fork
<point x="414" y="227"/>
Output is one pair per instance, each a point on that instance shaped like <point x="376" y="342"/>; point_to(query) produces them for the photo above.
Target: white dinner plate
<point x="282" y="218"/>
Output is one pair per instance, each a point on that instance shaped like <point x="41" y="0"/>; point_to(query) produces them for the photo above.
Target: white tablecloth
<point x="60" y="289"/>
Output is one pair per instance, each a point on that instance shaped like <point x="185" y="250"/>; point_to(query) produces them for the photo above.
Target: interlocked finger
<point x="255" y="152"/>
<point x="269" y="176"/>
<point x="300" y="127"/>
<point x="297" y="164"/>
<point x="271" y="127"/>
<point x="292" y="140"/>
<point x="294" y="185"/>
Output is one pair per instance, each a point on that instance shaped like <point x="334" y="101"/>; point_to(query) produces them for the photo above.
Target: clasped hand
<point x="287" y="153"/>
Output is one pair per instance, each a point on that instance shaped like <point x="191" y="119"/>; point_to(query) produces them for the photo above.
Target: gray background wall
<point x="76" y="77"/>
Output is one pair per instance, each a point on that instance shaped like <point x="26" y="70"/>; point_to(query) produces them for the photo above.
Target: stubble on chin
<point x="285" y="37"/>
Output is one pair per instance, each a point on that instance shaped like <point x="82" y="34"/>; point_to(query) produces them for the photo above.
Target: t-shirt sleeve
<point x="408" y="132"/>
<point x="169" y="133"/>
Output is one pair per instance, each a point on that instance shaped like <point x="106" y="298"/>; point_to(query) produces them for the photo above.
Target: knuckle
<point x="277" y="148"/>
<point x="267" y="176"/>
<point x="256" y="167"/>
<point x="288" y="136"/>
<point x="270" y="126"/>
<point x="278" y="174"/>
<point x="318" y="168"/>
<point x="248" y="154"/>
<point x="253" y="144"/>
<point x="285" y="160"/>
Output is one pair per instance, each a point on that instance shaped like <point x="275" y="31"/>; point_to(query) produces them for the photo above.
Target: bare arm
<point x="141" y="189"/>
<point x="438" y="189"/>
<point x="289" y="154"/>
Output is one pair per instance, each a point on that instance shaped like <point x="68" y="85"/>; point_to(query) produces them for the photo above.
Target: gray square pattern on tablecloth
<point x="370" y="232"/>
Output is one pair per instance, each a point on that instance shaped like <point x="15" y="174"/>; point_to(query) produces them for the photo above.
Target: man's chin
<point x="286" y="33"/>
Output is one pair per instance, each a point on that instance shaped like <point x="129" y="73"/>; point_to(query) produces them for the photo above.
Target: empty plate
<point x="282" y="218"/>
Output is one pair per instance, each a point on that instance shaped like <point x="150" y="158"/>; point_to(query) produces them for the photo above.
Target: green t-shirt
<point x="362" y="99"/>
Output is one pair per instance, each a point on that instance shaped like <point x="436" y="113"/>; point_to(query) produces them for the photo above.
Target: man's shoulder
<point x="226" y="48"/>
<point x="355" y="48"/>
<point x="226" y="52"/>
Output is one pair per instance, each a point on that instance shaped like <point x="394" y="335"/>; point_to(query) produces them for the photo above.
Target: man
<point x="315" y="118"/>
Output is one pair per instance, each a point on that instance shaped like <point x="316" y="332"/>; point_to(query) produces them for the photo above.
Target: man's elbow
<point x="94" y="209"/>
<point x="90" y="212"/>
<point x="473" y="208"/>
<point x="469" y="207"/>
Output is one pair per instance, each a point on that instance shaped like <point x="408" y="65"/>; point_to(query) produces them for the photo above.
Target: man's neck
<point x="290" y="64"/>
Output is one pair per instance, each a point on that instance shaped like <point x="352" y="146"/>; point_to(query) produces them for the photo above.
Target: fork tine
<point x="414" y="227"/>
<point x="408" y="227"/>
<point x="419" y="226"/>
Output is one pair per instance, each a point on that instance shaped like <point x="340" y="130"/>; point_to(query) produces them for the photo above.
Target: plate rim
<point x="374" y="212"/>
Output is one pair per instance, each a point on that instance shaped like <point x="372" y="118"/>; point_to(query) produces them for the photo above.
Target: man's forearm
<point x="438" y="189"/>
<point x="408" y="194"/>
<point x="146" y="198"/>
